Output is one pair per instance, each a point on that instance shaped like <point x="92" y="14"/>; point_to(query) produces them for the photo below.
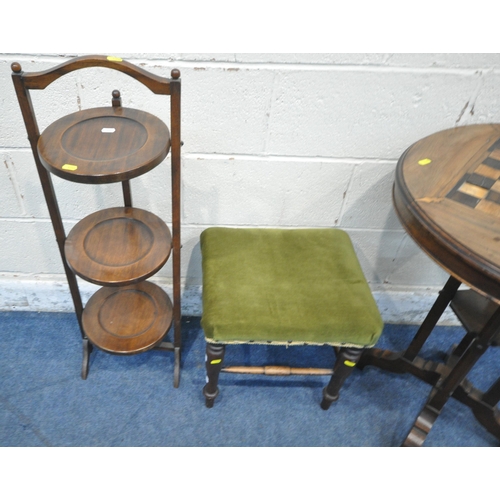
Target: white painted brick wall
<point x="287" y="140"/>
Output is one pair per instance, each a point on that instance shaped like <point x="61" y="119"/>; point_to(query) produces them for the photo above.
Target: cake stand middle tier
<point x="118" y="246"/>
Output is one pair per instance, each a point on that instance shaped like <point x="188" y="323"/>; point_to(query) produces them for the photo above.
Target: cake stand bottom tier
<point x="129" y="319"/>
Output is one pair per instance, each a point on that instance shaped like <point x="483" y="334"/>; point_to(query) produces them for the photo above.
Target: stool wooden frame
<point x="119" y="247"/>
<point x="346" y="359"/>
<point x="288" y="288"/>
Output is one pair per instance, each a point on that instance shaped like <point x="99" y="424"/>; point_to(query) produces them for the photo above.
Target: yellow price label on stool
<point x="425" y="161"/>
<point x="114" y="58"/>
<point x="67" y="166"/>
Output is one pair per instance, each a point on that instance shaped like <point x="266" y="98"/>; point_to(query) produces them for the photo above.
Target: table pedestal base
<point x="449" y="377"/>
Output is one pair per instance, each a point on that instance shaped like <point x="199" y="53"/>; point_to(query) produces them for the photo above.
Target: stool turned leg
<point x="347" y="358"/>
<point x="214" y="359"/>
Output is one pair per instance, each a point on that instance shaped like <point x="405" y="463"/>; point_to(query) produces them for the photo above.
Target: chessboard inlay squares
<point x="480" y="189"/>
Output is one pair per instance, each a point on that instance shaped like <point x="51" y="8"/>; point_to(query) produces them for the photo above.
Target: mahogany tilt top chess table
<point x="447" y="197"/>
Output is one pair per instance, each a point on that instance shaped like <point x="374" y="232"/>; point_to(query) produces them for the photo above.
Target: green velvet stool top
<point x="285" y="286"/>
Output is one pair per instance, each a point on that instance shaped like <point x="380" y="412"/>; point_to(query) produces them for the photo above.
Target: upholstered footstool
<point x="287" y="287"/>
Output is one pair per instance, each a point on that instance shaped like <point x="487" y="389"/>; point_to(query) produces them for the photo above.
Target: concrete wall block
<point x="190" y="257"/>
<point x="376" y="251"/>
<point x="432" y="61"/>
<point x="411" y="263"/>
<point x="55" y="101"/>
<point x="315" y="59"/>
<point x="12" y="191"/>
<point x="445" y="61"/>
<point x="264" y="193"/>
<point x="225" y="110"/>
<point x="365" y="114"/>
<point x="95" y="87"/>
<point x="13" y="131"/>
<point x="77" y="200"/>
<point x="87" y="88"/>
<point x="368" y="201"/>
<point x="287" y="140"/>
<point x="22" y="182"/>
<point x="483" y="105"/>
<point x="173" y="57"/>
<point x="427" y="60"/>
<point x="410" y="305"/>
<point x="182" y="57"/>
<point x="391" y="257"/>
<point x="150" y="191"/>
<point x="29" y="246"/>
<point x="12" y="126"/>
<point x="22" y="193"/>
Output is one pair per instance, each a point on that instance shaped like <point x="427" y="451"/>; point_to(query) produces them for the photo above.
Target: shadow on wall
<point x="387" y="254"/>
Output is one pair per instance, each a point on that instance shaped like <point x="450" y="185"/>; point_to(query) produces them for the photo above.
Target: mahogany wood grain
<point x="175" y="125"/>
<point x="118" y="246"/>
<point x="40" y="80"/>
<point x="102" y="145"/>
<point x="136" y="317"/>
<point x="281" y="371"/>
<point x="128" y="320"/>
<point x="30" y="122"/>
<point x="447" y="196"/>
<point x="463" y="239"/>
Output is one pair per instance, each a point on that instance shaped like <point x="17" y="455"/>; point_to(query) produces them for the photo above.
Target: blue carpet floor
<point x="131" y="402"/>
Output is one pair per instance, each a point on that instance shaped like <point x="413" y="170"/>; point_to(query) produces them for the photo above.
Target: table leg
<point x="407" y="361"/>
<point x="444" y="298"/>
<point x="483" y="405"/>
<point x="446" y="386"/>
<point x="492" y="396"/>
<point x="448" y="379"/>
